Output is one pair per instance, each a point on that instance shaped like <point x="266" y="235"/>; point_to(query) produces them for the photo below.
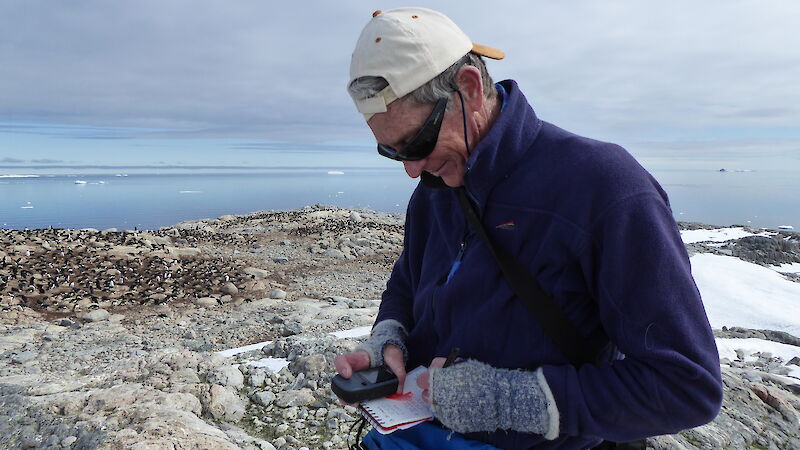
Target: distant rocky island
<point x="112" y="338"/>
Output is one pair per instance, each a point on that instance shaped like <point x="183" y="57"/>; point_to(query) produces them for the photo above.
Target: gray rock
<point x="280" y="260"/>
<point x="355" y="217"/>
<point x="24" y="357"/>
<point x="205" y="302"/>
<point x="334" y="253"/>
<point x="223" y="403"/>
<point x="227" y="376"/>
<point x="184" y="375"/>
<point x="312" y="366"/>
<point x="98" y="315"/>
<point x="257" y="377"/>
<point x="290" y="413"/>
<point x="291" y="328"/>
<point x="68" y="323"/>
<point x="263" y="398"/>
<point x="256" y="273"/>
<point x="278" y="294"/>
<point x="229" y="289"/>
<point x="68" y="441"/>
<point x="302" y="397"/>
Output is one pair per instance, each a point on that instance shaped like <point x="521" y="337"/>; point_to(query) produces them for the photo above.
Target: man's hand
<point x="424" y="380"/>
<point x="348" y="363"/>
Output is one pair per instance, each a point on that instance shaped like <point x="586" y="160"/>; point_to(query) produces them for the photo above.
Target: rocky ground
<point x="108" y="338"/>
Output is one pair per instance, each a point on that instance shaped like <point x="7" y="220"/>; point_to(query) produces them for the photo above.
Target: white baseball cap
<point x="408" y="47"/>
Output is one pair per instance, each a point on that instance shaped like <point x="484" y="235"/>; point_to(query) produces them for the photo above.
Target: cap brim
<point x="489" y="52"/>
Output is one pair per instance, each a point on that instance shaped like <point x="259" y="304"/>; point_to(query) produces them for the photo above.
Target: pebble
<point x="280" y="260"/>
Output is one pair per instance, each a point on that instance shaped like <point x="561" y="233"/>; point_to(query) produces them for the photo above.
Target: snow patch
<point x="727" y="349"/>
<point x="718" y="235"/>
<point x="741" y="294"/>
<point x="787" y="268"/>
<point x="355" y="332"/>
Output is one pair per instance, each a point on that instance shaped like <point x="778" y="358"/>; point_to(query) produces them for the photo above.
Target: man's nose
<point x="414" y="168"/>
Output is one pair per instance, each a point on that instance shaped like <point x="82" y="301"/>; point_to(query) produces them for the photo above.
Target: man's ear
<point x="470" y="83"/>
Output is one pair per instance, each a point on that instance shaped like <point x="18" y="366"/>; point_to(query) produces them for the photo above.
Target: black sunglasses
<point x="423" y="142"/>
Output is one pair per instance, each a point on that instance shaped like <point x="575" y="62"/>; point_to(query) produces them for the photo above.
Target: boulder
<point x="227" y="376"/>
<point x="256" y="273"/>
<point x="229" y="289"/>
<point x="223" y="403"/>
<point x="301" y="397"/>
<point x="97" y="315"/>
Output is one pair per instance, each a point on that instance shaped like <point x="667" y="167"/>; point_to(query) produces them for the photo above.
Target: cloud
<point x="275" y="72"/>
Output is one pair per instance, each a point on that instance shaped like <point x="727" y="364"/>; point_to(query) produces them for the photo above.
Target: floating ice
<point x="785" y="227"/>
<point x="335" y="172"/>
<point x="190" y="192"/>
<point x="80" y="182"/>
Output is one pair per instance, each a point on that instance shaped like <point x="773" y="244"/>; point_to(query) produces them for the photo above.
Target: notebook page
<point x="401" y="409"/>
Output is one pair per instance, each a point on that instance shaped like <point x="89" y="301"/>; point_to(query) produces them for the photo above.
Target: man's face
<point x="402" y="121"/>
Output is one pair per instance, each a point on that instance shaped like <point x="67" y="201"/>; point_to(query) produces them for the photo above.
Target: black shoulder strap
<point x="538" y="303"/>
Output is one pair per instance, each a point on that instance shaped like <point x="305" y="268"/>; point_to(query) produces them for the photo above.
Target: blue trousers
<point x="424" y="436"/>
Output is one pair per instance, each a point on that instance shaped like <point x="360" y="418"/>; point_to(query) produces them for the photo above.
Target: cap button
<point x="376" y="13"/>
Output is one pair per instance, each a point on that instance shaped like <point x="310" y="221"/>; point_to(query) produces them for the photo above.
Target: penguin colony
<point x="68" y="271"/>
<point x="72" y="270"/>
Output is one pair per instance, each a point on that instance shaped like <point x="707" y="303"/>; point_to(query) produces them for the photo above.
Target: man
<point x="588" y="222"/>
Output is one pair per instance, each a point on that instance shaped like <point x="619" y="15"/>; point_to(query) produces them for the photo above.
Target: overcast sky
<point x="256" y="82"/>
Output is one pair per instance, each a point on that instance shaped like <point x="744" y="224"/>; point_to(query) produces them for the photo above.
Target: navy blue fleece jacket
<point x="597" y="232"/>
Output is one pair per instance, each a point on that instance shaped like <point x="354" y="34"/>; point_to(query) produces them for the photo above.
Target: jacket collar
<point x="506" y="143"/>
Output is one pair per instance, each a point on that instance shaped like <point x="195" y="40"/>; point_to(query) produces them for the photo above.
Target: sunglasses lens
<point x="425" y="140"/>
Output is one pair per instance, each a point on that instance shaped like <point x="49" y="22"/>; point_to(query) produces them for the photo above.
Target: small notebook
<point x="399" y="411"/>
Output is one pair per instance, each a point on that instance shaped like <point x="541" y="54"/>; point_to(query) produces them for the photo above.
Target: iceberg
<point x="13" y="175"/>
<point x="80" y="182"/>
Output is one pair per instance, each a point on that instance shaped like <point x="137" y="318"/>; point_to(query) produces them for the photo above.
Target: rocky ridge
<point x="127" y="368"/>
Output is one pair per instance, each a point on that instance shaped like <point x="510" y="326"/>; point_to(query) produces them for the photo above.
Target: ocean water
<point x="765" y="199"/>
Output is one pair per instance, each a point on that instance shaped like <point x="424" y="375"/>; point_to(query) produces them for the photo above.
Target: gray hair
<point x="433" y="90"/>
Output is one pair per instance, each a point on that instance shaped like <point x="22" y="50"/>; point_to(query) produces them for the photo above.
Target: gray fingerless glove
<point x="384" y="333"/>
<point x="472" y="396"/>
